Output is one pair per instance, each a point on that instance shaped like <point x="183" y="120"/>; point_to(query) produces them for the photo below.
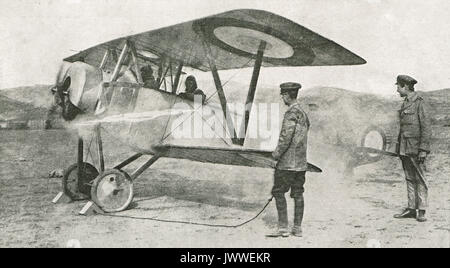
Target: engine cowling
<point x="77" y="86"/>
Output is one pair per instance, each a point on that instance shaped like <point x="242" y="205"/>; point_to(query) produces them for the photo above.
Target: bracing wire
<point x="206" y="101"/>
<point x="174" y="100"/>
<point x="89" y="150"/>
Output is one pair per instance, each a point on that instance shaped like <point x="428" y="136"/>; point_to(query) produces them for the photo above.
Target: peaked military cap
<point x="289" y="86"/>
<point x="406" y="79"/>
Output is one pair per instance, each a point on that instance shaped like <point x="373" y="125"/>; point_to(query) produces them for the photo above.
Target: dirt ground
<point x="340" y="211"/>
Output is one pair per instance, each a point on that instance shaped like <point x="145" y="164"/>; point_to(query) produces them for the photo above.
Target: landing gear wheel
<point x="112" y="190"/>
<point x="79" y="188"/>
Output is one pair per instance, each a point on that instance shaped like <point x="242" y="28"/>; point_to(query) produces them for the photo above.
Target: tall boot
<point x="421" y="216"/>
<point x="282" y="212"/>
<point x="282" y="218"/>
<point x="299" y="207"/>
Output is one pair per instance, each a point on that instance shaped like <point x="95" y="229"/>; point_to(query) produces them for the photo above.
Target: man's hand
<point x="422" y="157"/>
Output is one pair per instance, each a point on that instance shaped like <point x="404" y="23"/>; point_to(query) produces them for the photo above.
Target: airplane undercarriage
<point x="111" y="189"/>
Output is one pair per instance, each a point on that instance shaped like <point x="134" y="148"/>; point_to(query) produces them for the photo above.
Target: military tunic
<point x="292" y="144"/>
<point x="415" y="132"/>
<point x="414" y="137"/>
<point x="291" y="153"/>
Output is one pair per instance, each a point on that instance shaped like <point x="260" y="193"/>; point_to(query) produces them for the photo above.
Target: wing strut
<point x="98" y="106"/>
<point x="252" y="89"/>
<point x="128" y="50"/>
<point x="160" y="70"/>
<point x="104" y="60"/>
<point x="222" y="98"/>
<point x="122" y="57"/>
<point x="177" y="77"/>
<point x="136" y="63"/>
<point x="171" y="74"/>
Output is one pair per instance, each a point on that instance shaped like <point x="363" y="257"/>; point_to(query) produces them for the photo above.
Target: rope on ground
<point x="189" y="222"/>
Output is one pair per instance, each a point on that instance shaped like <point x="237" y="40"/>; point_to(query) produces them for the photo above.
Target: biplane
<point x="102" y="90"/>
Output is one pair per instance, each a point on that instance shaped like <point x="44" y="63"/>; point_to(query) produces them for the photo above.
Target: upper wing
<point x="225" y="156"/>
<point x="234" y="38"/>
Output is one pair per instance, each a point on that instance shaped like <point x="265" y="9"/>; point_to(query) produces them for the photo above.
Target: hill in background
<point x="338" y="115"/>
<point x="13" y="109"/>
<point x="38" y="95"/>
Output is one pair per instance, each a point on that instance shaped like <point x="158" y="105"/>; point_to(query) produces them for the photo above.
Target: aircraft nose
<point x="78" y="88"/>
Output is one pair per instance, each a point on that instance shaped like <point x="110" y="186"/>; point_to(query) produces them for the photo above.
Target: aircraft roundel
<point x="248" y="40"/>
<point x="243" y="38"/>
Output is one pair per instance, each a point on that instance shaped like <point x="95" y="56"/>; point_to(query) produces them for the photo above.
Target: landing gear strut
<point x="111" y="189"/>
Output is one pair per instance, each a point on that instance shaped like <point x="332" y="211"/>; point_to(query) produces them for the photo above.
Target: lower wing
<point x="225" y="156"/>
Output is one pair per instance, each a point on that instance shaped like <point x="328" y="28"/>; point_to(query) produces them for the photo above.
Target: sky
<point x="393" y="36"/>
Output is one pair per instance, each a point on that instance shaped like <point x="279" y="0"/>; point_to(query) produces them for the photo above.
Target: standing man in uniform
<point x="291" y="161"/>
<point x="414" y="147"/>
